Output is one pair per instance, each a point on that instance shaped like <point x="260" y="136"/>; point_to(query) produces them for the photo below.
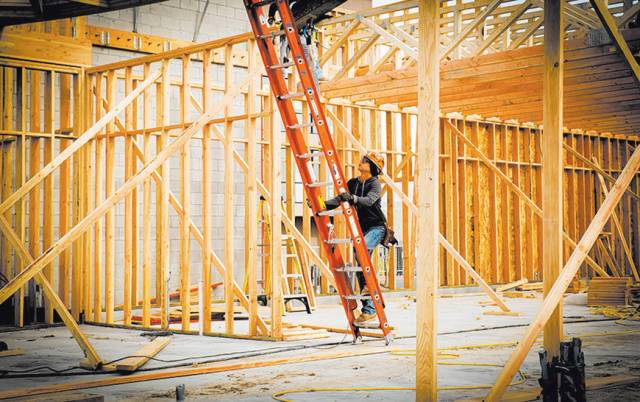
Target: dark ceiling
<point x="14" y="12"/>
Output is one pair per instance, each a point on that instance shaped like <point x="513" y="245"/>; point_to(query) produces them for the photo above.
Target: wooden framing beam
<point x="394" y="39"/>
<point x="414" y="209"/>
<point x="77" y="144"/>
<point x="427" y="183"/>
<point x="610" y="25"/>
<point x="620" y="231"/>
<point x="552" y="165"/>
<point x="470" y="27"/>
<point x="554" y="296"/>
<point x="93" y="359"/>
<point x="496" y="32"/>
<point x="37" y="265"/>
<point x="516" y="189"/>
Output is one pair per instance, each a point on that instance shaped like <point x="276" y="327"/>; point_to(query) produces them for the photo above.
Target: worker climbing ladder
<point x="303" y="157"/>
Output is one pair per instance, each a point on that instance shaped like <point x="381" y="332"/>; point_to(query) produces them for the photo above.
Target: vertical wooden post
<point x="552" y="165"/>
<point x="275" y="211"/>
<point x="34" y="167"/>
<point x="252" y="208"/>
<point x="162" y="209"/>
<point x="228" y="196"/>
<point x="21" y="170"/>
<point x="98" y="197"/>
<point x="63" y="225"/>
<point x="407" y="250"/>
<point x="128" y="216"/>
<point x="427" y="184"/>
<point x="391" y="171"/>
<point x="47" y="219"/>
<point x="185" y="192"/>
<point x="205" y="297"/>
<point x="146" y="206"/>
<point x="108" y="217"/>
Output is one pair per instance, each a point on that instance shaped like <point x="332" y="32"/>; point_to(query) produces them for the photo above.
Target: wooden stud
<point x="146" y="208"/>
<point x="252" y="211"/>
<point x="206" y="195"/>
<point x="552" y="167"/>
<point x="228" y="201"/>
<point x="185" y="192"/>
<point x="428" y="190"/>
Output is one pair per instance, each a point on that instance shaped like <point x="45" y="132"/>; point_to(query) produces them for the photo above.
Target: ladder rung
<point x="310" y="155"/>
<point x="291" y="95"/>
<point x="357" y="297"/>
<point x="295" y="296"/>
<point x="332" y="212"/>
<point x="261" y="3"/>
<point x="349" y="268"/>
<point x="320" y="184"/>
<point x="339" y="241"/>
<point x="273" y="34"/>
<point x="290" y="255"/>
<point x="301" y="125"/>
<point x="292" y="275"/>
<point x="368" y="325"/>
<point x="287" y="237"/>
<point x="283" y="65"/>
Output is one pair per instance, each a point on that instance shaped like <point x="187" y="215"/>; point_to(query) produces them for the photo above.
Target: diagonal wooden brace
<point x="516" y="189"/>
<point x="405" y="199"/>
<point x="197" y="234"/>
<point x="93" y="359"/>
<point x="39" y="263"/>
<point x="554" y="296"/>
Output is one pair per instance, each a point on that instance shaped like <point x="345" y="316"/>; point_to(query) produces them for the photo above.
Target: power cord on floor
<point x="189" y="361"/>
<point x="278" y="396"/>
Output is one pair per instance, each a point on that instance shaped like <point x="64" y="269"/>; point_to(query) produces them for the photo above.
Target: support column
<point x="427" y="187"/>
<point x="552" y="171"/>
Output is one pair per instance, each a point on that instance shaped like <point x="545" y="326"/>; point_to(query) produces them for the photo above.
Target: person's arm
<point x="332" y="203"/>
<point x="372" y="196"/>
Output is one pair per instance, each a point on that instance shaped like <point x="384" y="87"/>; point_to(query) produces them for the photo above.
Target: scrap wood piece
<point x="344" y="331"/>
<point x="511" y="285"/>
<point x="139" y="358"/>
<point x="500" y="313"/>
<point x="185" y="372"/>
<point x="12" y="352"/>
<point x="518" y="294"/>
<point x="530" y="286"/>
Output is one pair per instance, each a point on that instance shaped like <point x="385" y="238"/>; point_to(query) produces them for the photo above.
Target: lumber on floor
<point x="215" y="368"/>
<point x="139" y="358"/>
<point x="609" y="292"/>
<point x="12" y="352"/>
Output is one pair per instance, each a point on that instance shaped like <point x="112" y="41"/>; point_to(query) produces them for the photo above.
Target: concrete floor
<point x="460" y="322"/>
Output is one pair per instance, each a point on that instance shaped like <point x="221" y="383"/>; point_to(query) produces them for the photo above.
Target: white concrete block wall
<point x="177" y="19"/>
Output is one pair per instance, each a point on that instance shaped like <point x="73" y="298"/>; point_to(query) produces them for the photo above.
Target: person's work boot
<point x="366" y="318"/>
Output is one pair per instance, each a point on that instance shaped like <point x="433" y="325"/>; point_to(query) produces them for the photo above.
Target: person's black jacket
<point x="366" y="197"/>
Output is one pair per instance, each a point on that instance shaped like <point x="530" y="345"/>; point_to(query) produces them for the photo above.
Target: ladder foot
<point x="388" y="338"/>
<point x="357" y="339"/>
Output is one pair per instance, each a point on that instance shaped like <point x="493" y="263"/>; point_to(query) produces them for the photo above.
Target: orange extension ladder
<point x="303" y="157"/>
